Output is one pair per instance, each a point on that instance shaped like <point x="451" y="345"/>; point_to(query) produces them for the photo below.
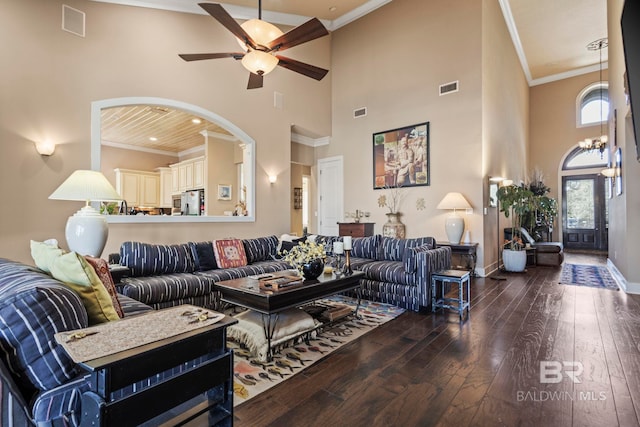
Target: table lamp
<point x="87" y="230"/>
<point x="454" y="225"/>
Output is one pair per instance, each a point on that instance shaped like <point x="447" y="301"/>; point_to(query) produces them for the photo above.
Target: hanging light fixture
<point x="599" y="143"/>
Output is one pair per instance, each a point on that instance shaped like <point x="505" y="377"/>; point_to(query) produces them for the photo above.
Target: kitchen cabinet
<point x="188" y="175"/>
<point x="138" y="188"/>
<point x="166" y="186"/>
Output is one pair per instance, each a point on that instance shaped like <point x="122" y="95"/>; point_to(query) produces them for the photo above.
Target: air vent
<point x="359" y="112"/>
<point x="448" y="88"/>
<point x="73" y="20"/>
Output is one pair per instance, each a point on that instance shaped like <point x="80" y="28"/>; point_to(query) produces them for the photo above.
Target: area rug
<point x="253" y="377"/>
<point x="594" y="276"/>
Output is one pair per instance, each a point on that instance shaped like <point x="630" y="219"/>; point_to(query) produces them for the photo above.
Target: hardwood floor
<point x="426" y="369"/>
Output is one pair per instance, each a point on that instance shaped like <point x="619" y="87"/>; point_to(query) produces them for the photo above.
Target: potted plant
<point x="307" y="258"/>
<point x="516" y="201"/>
<point x="539" y="223"/>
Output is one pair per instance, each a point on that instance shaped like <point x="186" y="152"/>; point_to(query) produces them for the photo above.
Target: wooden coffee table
<point x="246" y="292"/>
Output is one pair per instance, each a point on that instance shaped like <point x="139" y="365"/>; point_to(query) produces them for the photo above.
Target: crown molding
<point x="241" y="12"/>
<point x="311" y="142"/>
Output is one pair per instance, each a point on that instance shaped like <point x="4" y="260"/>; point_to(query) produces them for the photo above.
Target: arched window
<point x="579" y="159"/>
<point x="593" y="104"/>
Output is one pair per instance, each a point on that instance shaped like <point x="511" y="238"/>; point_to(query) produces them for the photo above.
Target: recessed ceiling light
<point x="332" y="9"/>
<point x="196" y="121"/>
<point x="153" y="138"/>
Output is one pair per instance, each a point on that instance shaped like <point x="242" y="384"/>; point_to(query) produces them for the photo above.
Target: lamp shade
<point x="87" y="230"/>
<point x="86" y="185"/>
<point x="454" y="201"/>
<point x="262" y="32"/>
<point x="259" y="62"/>
<point x="454" y="224"/>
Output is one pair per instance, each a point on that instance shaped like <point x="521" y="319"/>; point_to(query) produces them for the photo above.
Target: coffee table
<point x="246" y="292"/>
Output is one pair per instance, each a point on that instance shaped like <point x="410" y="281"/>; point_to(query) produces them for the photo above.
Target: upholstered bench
<point x="549" y="253"/>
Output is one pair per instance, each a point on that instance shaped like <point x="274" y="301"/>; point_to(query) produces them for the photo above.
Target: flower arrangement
<point x="304" y="253"/>
<point x="393" y="201"/>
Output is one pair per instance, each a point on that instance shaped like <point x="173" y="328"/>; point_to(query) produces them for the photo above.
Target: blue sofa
<point x="39" y="383"/>
<point x="397" y="271"/>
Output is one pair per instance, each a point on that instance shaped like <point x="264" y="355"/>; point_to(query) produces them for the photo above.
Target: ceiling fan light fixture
<point x="260" y="31"/>
<point x="258" y="62"/>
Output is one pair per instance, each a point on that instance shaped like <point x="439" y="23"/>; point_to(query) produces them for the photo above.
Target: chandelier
<point x="599" y="143"/>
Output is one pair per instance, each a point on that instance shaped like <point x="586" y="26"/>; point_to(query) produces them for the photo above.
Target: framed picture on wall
<point x="224" y="192"/>
<point x="401" y="157"/>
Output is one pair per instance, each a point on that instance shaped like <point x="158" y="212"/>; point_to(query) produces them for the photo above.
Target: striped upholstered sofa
<point x="39" y="383"/>
<point x="163" y="276"/>
<point x="397" y="271"/>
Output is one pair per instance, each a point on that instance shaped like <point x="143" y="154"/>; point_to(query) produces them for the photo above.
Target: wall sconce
<point x="507" y="182"/>
<point x="273" y="179"/>
<point x="45" y="148"/>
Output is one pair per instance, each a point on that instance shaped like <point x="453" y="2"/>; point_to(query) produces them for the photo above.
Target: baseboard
<point x="627" y="287"/>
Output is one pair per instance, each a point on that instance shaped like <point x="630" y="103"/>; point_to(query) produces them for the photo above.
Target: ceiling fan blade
<point x="310" y="30"/>
<point x="223" y="17"/>
<point x="302" y="68"/>
<point x="201" y="56"/>
<point x="255" y="81"/>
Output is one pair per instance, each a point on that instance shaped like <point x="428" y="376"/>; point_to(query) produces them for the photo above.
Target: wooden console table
<point x="214" y="375"/>
<point x="356" y="229"/>
<point x="467" y="250"/>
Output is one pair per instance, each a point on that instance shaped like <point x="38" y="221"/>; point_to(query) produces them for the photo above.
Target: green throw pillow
<point x="44" y="255"/>
<point x="76" y="273"/>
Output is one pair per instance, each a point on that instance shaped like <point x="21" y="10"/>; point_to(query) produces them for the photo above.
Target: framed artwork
<point x="401" y="157"/>
<point x="493" y="194"/>
<point x="224" y="192"/>
<point x="297" y="198"/>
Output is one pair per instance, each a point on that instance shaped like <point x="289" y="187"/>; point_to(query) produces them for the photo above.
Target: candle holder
<point x="346" y="270"/>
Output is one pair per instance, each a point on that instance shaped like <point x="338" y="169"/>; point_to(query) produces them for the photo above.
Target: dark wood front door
<point x="584" y="212"/>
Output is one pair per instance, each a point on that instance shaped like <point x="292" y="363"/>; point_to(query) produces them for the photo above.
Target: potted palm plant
<point x="516" y="201"/>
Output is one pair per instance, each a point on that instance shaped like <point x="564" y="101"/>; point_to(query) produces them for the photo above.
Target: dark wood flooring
<point x="426" y="369"/>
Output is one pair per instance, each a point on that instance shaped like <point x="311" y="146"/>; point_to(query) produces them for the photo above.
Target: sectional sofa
<point x="39" y="383"/>
<point x="397" y="271"/>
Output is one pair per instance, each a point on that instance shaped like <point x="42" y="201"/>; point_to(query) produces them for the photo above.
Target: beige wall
<point x="624" y="217"/>
<point x="392" y="62"/>
<point x="505" y="124"/>
<point x="221" y="170"/>
<point x="52" y="77"/>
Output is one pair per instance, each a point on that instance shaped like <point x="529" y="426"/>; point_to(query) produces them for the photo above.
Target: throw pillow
<point x="75" y="272"/>
<point x="286" y="246"/>
<point x="44" y="254"/>
<point x="229" y="253"/>
<point x="101" y="268"/>
<point x="203" y="255"/>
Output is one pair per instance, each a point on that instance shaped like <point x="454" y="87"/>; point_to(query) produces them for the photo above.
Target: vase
<point x="393" y="227"/>
<point x="514" y="261"/>
<point x="313" y="269"/>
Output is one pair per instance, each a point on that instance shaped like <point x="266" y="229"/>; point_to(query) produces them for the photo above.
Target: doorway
<point x="585" y="212"/>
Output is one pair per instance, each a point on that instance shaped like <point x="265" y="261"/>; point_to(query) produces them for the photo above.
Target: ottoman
<point x="549" y="253"/>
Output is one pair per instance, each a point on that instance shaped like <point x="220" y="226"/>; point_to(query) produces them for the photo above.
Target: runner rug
<point x="253" y="376"/>
<point x="594" y="276"/>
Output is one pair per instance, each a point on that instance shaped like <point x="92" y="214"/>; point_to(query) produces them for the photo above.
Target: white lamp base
<point x="87" y="232"/>
<point x="454" y="226"/>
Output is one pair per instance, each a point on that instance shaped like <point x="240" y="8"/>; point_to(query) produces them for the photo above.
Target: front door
<point x="584" y="212"/>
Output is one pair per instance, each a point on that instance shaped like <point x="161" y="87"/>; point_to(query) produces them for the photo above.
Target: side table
<point x="467" y="250"/>
<point x="211" y="381"/>
<point x="460" y="277"/>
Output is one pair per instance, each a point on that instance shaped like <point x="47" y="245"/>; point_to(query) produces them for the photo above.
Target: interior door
<point x="584" y="212"/>
<point x="330" y="205"/>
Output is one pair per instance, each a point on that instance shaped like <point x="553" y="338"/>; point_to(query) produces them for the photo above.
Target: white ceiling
<point x="550" y="35"/>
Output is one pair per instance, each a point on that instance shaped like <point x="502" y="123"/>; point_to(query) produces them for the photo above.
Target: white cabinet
<point x="166" y="187"/>
<point x="138" y="188"/>
<point x="188" y="175"/>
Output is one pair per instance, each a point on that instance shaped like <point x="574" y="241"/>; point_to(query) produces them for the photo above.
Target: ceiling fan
<point x="261" y="41"/>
